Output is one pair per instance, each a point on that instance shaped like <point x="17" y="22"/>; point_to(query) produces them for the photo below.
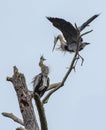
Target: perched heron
<point x="69" y="38"/>
<point x="41" y="81"/>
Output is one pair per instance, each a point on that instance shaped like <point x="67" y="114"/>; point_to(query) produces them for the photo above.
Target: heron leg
<point x="80" y="57"/>
<point x="77" y="58"/>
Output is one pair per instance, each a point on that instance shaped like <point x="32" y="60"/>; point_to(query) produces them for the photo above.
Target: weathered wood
<point x="13" y="117"/>
<point x="41" y="112"/>
<point x="20" y="128"/>
<point x="24" y="99"/>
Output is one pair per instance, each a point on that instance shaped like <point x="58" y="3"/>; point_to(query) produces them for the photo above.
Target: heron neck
<point x="41" y="64"/>
<point x="62" y="40"/>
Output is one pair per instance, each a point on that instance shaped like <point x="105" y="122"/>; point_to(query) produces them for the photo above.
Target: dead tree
<point x="25" y="97"/>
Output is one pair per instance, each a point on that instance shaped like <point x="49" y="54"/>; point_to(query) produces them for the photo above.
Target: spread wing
<point x="69" y="32"/>
<point x="88" y="22"/>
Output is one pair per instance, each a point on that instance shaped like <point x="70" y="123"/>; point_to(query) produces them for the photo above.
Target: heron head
<point x="62" y="41"/>
<point x="42" y="58"/>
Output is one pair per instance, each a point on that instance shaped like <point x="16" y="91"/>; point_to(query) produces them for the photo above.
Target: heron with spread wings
<point x="69" y="39"/>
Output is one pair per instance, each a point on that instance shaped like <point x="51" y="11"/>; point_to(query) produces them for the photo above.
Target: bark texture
<point x="24" y="99"/>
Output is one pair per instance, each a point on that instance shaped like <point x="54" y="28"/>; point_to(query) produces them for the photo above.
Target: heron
<point x="41" y="81"/>
<point x="69" y="37"/>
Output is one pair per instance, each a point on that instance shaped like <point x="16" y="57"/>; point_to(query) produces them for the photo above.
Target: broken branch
<point x="13" y="117"/>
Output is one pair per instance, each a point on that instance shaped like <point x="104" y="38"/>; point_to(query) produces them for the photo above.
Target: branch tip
<point x="15" y="69"/>
<point x="20" y="128"/>
<point x="9" y="79"/>
<point x="13" y="117"/>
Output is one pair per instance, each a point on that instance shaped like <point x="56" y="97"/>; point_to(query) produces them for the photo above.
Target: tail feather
<point x="88" y="22"/>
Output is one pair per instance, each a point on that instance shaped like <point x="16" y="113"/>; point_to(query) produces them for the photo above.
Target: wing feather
<point x="68" y="30"/>
<point x="88" y="22"/>
<point x="37" y="82"/>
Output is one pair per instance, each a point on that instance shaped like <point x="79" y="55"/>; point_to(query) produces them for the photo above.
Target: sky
<point x="26" y="34"/>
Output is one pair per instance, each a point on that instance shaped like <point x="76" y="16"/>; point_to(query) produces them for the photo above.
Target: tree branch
<point x="9" y="79"/>
<point x="20" y="128"/>
<point x="24" y="99"/>
<point x="41" y="112"/>
<point x="52" y="86"/>
<point x="86" y="33"/>
<point x="13" y="117"/>
<point x="59" y="85"/>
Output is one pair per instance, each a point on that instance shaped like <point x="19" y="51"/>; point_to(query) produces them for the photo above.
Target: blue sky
<point x="26" y="34"/>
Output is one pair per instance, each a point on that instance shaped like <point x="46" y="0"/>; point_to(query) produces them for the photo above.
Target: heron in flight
<point x="68" y="41"/>
<point x="41" y="81"/>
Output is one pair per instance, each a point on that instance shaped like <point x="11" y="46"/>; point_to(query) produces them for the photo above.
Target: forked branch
<point x="72" y="65"/>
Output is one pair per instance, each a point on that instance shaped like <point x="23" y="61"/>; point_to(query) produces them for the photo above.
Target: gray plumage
<point x="40" y="84"/>
<point x="69" y="39"/>
<point x="85" y="24"/>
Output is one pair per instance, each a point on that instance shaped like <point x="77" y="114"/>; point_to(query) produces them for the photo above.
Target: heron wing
<point x="88" y="22"/>
<point x="48" y="81"/>
<point x="36" y="82"/>
<point x="69" y="32"/>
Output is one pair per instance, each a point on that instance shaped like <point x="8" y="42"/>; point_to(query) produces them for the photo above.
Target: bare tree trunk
<point x="24" y="99"/>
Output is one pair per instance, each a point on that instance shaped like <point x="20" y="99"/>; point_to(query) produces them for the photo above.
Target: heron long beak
<point x="42" y="57"/>
<point x="87" y="43"/>
<point x="55" y="41"/>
